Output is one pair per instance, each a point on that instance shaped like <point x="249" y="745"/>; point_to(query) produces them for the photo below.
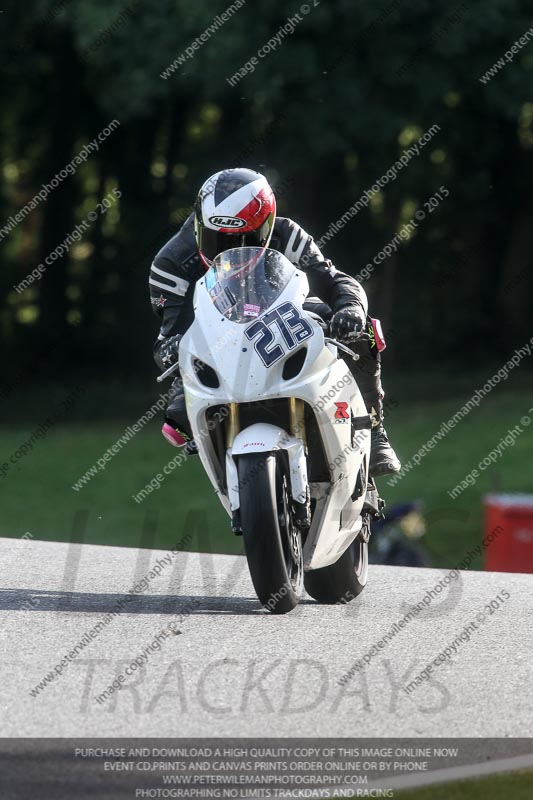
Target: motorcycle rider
<point x="243" y="199"/>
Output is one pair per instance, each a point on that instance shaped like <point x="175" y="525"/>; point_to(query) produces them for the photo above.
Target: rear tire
<point x="342" y="581"/>
<point x="272" y="543"/>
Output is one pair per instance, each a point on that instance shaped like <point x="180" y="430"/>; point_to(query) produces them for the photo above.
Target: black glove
<point x="168" y="354"/>
<point x="347" y="321"/>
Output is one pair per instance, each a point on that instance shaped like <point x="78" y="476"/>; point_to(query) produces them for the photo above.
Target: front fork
<point x="296" y="419"/>
<point x="302" y="511"/>
<point x="234" y="425"/>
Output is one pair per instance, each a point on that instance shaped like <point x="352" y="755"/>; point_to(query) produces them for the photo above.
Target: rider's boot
<point x="383" y="459"/>
<point x="177" y="428"/>
<point x="367" y="373"/>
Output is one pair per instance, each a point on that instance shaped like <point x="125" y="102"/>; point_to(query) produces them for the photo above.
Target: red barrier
<point x="509" y="518"/>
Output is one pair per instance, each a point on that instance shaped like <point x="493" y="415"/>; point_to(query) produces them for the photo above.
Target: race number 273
<point x="293" y="328"/>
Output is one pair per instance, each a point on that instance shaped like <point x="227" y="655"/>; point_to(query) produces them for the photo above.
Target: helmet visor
<point x="211" y="243"/>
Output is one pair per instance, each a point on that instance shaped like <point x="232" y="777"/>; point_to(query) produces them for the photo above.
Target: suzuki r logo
<point x="228" y="222"/>
<point x="342" y="411"/>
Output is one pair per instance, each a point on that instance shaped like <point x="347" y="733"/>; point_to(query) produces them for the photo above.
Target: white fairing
<point x="323" y="382"/>
<point x="265" y="438"/>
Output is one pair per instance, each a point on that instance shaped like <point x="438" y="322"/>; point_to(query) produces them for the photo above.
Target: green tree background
<point x="324" y="115"/>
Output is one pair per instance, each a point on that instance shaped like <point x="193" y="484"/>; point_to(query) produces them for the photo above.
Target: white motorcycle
<point x="281" y="429"/>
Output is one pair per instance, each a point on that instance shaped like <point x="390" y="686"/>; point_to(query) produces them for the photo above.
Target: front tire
<point x="342" y="581"/>
<point x="272" y="543"/>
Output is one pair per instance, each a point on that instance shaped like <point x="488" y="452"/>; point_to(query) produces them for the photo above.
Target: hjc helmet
<point x="234" y="208"/>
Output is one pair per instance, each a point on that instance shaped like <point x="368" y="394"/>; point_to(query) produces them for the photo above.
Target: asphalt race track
<point x="221" y="667"/>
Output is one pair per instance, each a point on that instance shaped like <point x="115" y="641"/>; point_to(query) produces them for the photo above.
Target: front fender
<point x="265" y="438"/>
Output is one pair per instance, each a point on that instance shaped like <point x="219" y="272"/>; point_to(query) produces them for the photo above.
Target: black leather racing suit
<point x="177" y="267"/>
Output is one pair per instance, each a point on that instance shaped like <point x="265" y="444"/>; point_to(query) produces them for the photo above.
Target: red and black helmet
<point x="234" y="208"/>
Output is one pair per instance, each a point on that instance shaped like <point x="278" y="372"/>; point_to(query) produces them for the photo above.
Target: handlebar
<point x="342" y="347"/>
<point x="167" y="372"/>
<point x="356" y="336"/>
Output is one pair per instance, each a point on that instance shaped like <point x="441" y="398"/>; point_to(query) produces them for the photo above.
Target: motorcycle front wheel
<point x="342" y="581"/>
<point x="272" y="542"/>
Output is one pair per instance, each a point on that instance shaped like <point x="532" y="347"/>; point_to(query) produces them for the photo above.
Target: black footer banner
<point x="68" y="769"/>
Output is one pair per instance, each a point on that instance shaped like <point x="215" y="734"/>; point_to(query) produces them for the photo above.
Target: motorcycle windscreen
<point x="245" y="281"/>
